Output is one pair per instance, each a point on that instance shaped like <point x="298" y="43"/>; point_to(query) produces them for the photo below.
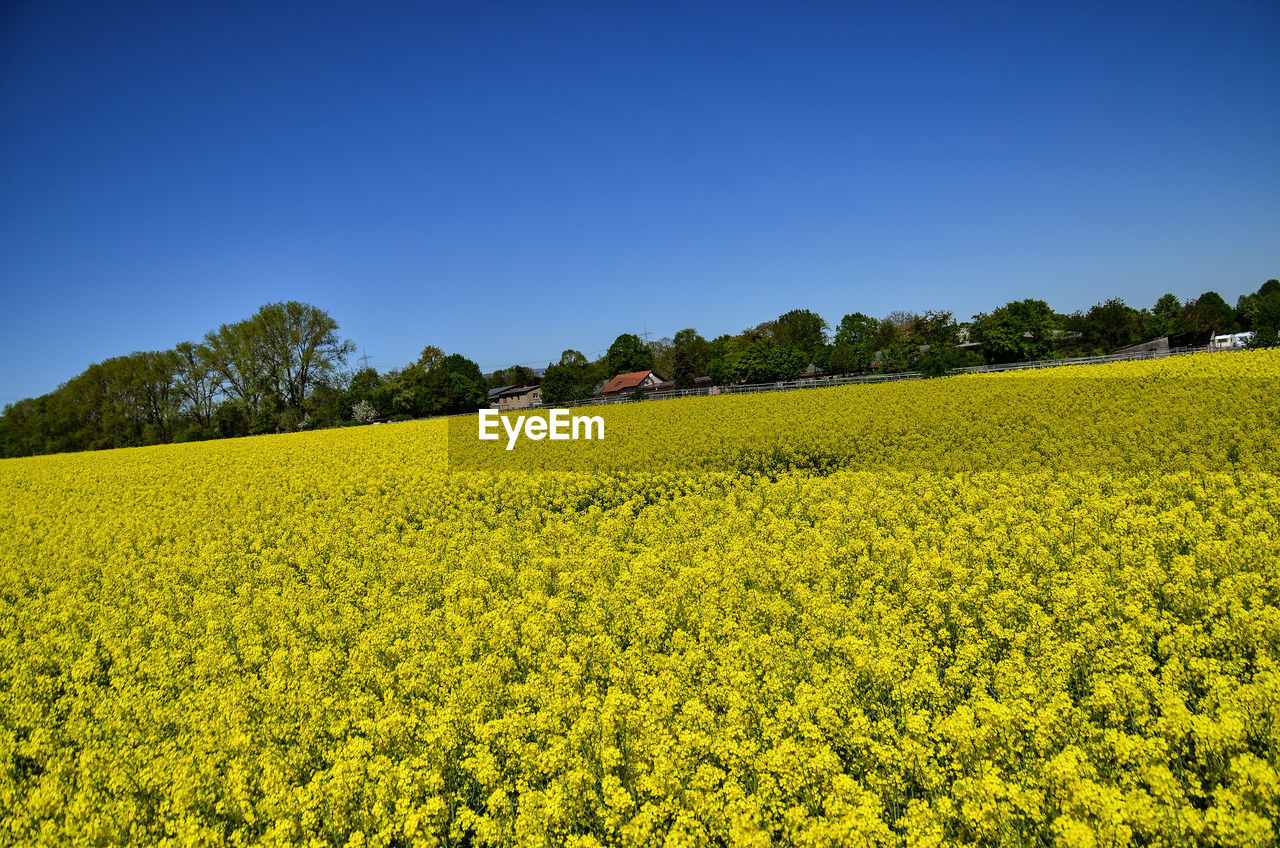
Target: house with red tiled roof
<point x="643" y="381"/>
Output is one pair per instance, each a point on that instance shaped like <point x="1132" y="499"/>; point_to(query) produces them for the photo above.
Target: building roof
<point x="493" y="393"/>
<point x="512" y="391"/>
<point x="624" y="382"/>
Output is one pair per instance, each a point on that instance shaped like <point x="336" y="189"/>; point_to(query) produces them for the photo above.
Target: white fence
<point x="752" y="388"/>
<point x="1078" y="360"/>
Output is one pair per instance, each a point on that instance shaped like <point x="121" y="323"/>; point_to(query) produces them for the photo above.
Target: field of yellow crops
<point x="1040" y="608"/>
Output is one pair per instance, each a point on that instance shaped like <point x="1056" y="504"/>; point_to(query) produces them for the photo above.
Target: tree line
<point x="929" y="342"/>
<point x="283" y="369"/>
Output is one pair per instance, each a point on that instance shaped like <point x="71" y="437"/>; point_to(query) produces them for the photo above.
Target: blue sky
<point x="506" y="181"/>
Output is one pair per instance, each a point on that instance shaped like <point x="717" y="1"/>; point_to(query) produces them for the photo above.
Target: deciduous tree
<point x="628" y="353"/>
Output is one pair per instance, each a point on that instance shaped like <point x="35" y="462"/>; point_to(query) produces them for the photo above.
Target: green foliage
<point x="855" y="344"/>
<point x="1018" y="331"/>
<point x="196" y="381"/>
<point x="560" y="385"/>
<point x="1166" y="317"/>
<point x="803" y="330"/>
<point x="363" y="382"/>
<point x="899" y="355"/>
<point x="516" y="375"/>
<point x="196" y="433"/>
<point x="253" y="376"/>
<point x="235" y="356"/>
<point x="663" y="353"/>
<point x="1111" y="325"/>
<point x="767" y="361"/>
<point x="455" y="385"/>
<point x="1266" y="337"/>
<point x="430" y="357"/>
<point x="719" y="372"/>
<point x="688" y="358"/>
<point x="937" y="362"/>
<point x="569" y="380"/>
<point x="935" y="329"/>
<point x="628" y="353"/>
<point x="720" y="347"/>
<point x="1210" y="313"/>
<point x="297" y="345"/>
<point x="1260" y="311"/>
<point x="843" y="359"/>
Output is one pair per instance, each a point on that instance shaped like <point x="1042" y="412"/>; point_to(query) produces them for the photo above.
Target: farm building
<point x="1161" y="345"/>
<point x="644" y="381"/>
<point x="515" y="397"/>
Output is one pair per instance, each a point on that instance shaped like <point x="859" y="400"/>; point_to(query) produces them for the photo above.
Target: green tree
<point x="805" y="331"/>
<point x="155" y="392"/>
<point x="767" y="361"/>
<point x="854" y="348"/>
<point x="843" y="359"/>
<point x="235" y="355"/>
<point x="892" y="330"/>
<point x="720" y="347"/>
<point x="560" y="385"/>
<point x="326" y="406"/>
<point x="197" y="381"/>
<point x="1209" y="313"/>
<point x="123" y="401"/>
<point x="568" y="380"/>
<point x="663" y="353"/>
<point x="254" y="375"/>
<point x="498" y="379"/>
<point x="298" y="344"/>
<point x="24" y="427"/>
<point x="364" y="385"/>
<point x="1016" y="332"/>
<point x="935" y="329"/>
<point x="719" y="372"/>
<point x="1166" y="316"/>
<point x="522" y="375"/>
<point x="1112" y="324"/>
<point x="688" y="358"/>
<point x="627" y="354"/>
<point x="938" y="361"/>
<point x="900" y="354"/>
<point x="455" y="384"/>
<point x="1260" y="312"/>
<point x="430" y="357"/>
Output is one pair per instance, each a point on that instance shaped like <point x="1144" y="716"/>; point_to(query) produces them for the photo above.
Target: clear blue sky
<point x="506" y="181"/>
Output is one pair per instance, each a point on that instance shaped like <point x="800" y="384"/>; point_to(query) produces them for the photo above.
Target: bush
<point x="938" y="364"/>
<point x="196" y="433"/>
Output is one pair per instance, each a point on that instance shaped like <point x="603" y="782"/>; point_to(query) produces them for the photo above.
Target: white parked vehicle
<point x="1230" y="341"/>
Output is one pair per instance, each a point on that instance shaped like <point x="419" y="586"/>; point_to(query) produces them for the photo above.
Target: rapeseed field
<point x="1039" y="608"/>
